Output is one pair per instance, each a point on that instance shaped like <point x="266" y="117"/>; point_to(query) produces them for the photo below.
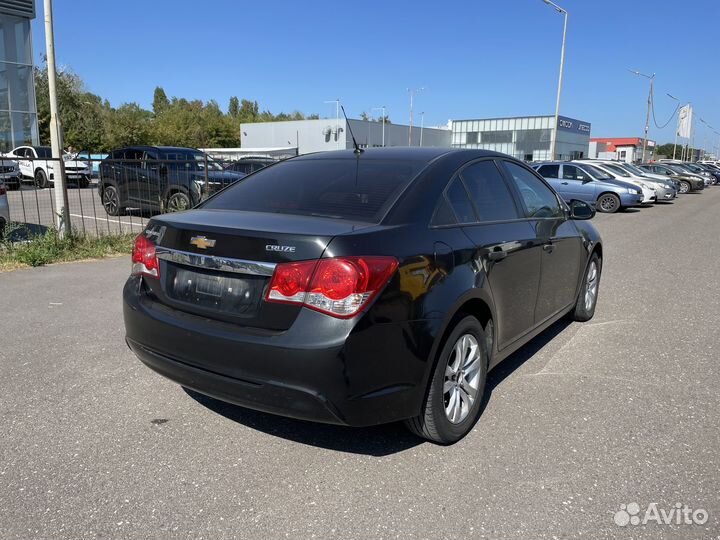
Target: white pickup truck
<point x="36" y="164"/>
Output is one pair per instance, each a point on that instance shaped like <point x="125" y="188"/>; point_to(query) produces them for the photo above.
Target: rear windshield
<point x="350" y="189"/>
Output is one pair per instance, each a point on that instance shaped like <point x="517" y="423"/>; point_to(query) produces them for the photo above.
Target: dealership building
<point x="628" y="149"/>
<point x="296" y="137"/>
<point x="527" y="137"/>
<point x="18" y="109"/>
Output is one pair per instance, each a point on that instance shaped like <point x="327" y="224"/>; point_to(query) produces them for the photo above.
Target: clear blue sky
<point x="481" y="58"/>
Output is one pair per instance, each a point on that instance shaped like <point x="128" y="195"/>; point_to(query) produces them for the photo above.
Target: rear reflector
<point x="338" y="286"/>
<point x="144" y="258"/>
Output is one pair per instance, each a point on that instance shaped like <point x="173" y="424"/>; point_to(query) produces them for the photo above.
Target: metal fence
<point x="111" y="196"/>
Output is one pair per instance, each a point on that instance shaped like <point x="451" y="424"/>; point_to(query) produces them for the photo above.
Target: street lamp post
<point x="560" y="78"/>
<point x="337" y="120"/>
<point x="383" y="122"/>
<point x="412" y="92"/>
<point x="422" y="125"/>
<point x="647" y="118"/>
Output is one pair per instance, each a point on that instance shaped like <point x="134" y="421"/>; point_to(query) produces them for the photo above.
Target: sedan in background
<point x="688" y="182"/>
<point x="663" y="190"/>
<point x="9" y="173"/>
<point x="587" y="183"/>
<point x="248" y="165"/>
<point x="300" y="291"/>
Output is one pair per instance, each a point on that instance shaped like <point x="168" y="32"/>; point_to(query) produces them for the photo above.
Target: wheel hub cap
<point x="591" y="285"/>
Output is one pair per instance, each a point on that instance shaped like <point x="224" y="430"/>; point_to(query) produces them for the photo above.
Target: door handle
<point x="497" y="255"/>
<point x="548" y="247"/>
<point x="564" y="183"/>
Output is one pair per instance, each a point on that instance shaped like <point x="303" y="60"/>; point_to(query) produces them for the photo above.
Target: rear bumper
<point x="322" y="369"/>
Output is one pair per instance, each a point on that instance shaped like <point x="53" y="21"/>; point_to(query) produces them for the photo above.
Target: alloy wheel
<point x="110" y="200"/>
<point x="591" y="286"/>
<point x="178" y="202"/>
<point x="684" y="187"/>
<point x="462" y="378"/>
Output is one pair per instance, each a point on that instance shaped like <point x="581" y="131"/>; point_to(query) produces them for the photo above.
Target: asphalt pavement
<point x="580" y="424"/>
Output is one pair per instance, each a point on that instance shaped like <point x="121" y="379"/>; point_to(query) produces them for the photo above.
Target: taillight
<point x="144" y="258"/>
<point x="339" y="286"/>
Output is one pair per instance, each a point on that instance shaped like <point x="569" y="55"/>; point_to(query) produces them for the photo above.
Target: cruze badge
<point x="202" y="242"/>
<point x="283" y="249"/>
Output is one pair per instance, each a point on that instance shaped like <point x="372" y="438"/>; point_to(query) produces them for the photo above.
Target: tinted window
<point x="443" y="214"/>
<point x="460" y="202"/>
<point x="571" y="172"/>
<point x="353" y="189"/>
<point x="550" y="171"/>
<point x="540" y="200"/>
<point x="132" y="154"/>
<point x="599" y="174"/>
<point x="42" y="152"/>
<point x="489" y="192"/>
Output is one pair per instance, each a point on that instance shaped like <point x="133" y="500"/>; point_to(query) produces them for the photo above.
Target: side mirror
<point x="581" y="210"/>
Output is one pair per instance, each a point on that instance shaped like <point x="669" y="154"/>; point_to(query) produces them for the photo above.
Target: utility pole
<point x="649" y="103"/>
<point x="62" y="210"/>
<point x="676" y="126"/>
<point x="422" y="125"/>
<point x="560" y="78"/>
<point x="412" y="92"/>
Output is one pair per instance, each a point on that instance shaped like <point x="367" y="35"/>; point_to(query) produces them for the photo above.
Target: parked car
<point x="94" y="161"/>
<point x="248" y="165"/>
<point x="9" y="173"/>
<point x="648" y="191"/>
<point x="696" y="169"/>
<point x="666" y="181"/>
<point x="164" y="178"/>
<point x="590" y="184"/>
<point x="688" y="182"/>
<point x="663" y="191"/>
<point x="284" y="292"/>
<point x="4" y="209"/>
<point x="709" y="169"/>
<point x="36" y="164"/>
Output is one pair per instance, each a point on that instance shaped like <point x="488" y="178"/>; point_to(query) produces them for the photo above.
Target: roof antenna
<point x="357" y="150"/>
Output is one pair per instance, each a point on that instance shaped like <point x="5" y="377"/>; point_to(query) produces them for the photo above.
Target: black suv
<point x="164" y="178"/>
<point x="250" y="164"/>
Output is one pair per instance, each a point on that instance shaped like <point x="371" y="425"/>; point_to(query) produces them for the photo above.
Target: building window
<point x="496" y="137"/>
<point x="472" y="137"/>
<point x="623" y="154"/>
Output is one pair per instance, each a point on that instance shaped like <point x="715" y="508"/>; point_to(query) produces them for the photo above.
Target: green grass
<point x="50" y="248"/>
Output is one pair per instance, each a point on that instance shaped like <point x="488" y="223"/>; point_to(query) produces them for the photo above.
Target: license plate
<point x="209" y="286"/>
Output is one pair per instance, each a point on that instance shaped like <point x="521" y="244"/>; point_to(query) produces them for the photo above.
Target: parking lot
<point x="586" y="418"/>
<point x="34" y="209"/>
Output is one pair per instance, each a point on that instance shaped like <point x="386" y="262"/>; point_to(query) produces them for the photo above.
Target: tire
<point x="110" y="198"/>
<point x="178" y="202"/>
<point x="587" y="297"/>
<point x="41" y="179"/>
<point x="685" y="187"/>
<point x="608" y="203"/>
<point x="443" y="419"/>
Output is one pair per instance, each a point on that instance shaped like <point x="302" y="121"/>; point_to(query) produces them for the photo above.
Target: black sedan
<point x="361" y="288"/>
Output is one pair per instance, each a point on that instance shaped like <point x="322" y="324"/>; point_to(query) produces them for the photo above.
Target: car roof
<point x="409" y="153"/>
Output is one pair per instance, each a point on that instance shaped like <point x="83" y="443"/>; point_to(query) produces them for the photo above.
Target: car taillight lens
<point x="144" y="258"/>
<point x="339" y="286"/>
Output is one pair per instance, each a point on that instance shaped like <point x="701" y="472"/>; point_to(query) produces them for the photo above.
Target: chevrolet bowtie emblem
<point x="202" y="242"/>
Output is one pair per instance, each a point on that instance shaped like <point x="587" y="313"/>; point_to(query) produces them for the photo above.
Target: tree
<point x="234" y="107"/>
<point x="160" y="101"/>
<point x="127" y="125"/>
<point x="364" y="116"/>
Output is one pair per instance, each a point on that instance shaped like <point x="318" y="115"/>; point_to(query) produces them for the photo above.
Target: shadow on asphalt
<point x="373" y="441"/>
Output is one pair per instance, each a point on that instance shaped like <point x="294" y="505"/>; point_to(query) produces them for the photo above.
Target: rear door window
<point x="352" y="189"/>
<point x="549" y="171"/>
